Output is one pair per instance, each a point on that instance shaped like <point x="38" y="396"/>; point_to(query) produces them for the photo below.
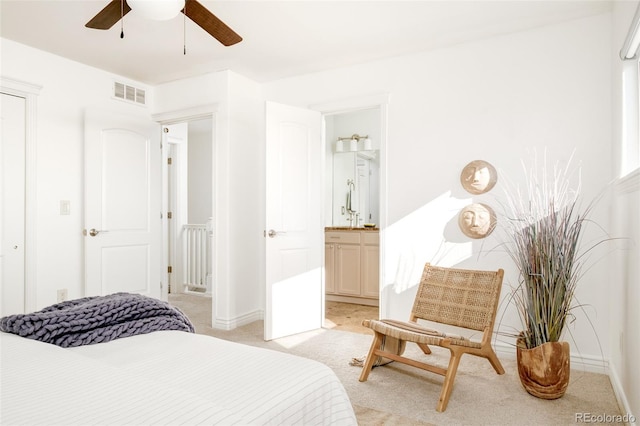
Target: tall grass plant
<point x="544" y="226"/>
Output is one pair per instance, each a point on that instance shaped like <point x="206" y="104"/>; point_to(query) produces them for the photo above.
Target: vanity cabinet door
<point x="370" y="264"/>
<point x="348" y="269"/>
<point x="370" y="271"/>
<point x="352" y="265"/>
<point x="329" y="268"/>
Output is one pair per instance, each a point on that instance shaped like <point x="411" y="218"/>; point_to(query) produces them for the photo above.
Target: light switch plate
<point x="65" y="207"/>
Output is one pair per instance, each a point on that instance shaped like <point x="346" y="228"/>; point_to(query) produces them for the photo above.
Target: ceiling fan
<point x="117" y="9"/>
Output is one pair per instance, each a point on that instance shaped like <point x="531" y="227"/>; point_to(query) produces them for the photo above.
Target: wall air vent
<point x="129" y="93"/>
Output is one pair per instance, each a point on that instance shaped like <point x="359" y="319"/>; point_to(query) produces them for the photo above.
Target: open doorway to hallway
<point x="189" y="194"/>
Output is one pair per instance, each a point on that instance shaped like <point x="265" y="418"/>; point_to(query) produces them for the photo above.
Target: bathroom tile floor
<point x="348" y="316"/>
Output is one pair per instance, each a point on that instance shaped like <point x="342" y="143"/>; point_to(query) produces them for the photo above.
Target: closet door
<point x="12" y="207"/>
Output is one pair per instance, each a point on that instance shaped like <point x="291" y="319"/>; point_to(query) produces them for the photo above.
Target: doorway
<point x="355" y="142"/>
<point x="189" y="206"/>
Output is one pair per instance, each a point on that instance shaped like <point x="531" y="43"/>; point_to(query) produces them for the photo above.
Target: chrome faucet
<point x="353" y="217"/>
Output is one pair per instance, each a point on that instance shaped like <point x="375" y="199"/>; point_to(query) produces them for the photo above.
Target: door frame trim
<point x="30" y="93"/>
<point x="187" y="114"/>
<point x="381" y="101"/>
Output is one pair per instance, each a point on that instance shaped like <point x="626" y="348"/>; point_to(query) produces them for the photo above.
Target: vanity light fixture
<point x="353" y="143"/>
<point x="368" y="145"/>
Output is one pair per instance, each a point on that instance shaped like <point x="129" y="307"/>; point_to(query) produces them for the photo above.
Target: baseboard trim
<point x="351" y="299"/>
<point x="239" y="321"/>
<point x="621" y="397"/>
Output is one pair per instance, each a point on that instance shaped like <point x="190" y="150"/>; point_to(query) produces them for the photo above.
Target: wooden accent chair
<point x="458" y="297"/>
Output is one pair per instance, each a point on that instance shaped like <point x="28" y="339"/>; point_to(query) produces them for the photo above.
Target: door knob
<point x="272" y="233"/>
<point x="93" y="232"/>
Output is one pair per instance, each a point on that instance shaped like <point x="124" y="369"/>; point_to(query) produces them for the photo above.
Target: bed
<point x="165" y="377"/>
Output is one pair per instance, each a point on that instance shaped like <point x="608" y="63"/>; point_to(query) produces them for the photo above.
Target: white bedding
<point x="165" y="377"/>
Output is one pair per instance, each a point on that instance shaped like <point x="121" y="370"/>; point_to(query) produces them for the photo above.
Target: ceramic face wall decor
<point x="477" y="220"/>
<point x="478" y="177"/>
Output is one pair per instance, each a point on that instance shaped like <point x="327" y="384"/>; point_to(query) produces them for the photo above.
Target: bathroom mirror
<point x="355" y="188"/>
<point x="352" y="168"/>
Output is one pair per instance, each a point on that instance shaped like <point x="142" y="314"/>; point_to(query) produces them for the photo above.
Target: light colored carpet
<point x="400" y="395"/>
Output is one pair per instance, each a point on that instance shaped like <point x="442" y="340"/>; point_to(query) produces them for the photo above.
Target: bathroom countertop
<point x="346" y="228"/>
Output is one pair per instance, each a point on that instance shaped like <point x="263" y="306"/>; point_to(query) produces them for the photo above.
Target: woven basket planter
<point x="544" y="370"/>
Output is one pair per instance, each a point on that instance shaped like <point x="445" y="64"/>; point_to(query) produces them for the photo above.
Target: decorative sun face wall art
<point x="478" y="177"/>
<point x="477" y="220"/>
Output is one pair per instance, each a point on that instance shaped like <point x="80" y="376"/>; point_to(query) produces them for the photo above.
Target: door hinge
<point x="169" y="269"/>
<point x="169" y="215"/>
<point x="169" y="161"/>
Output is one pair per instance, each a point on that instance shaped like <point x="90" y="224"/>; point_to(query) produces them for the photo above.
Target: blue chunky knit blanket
<point x="97" y="319"/>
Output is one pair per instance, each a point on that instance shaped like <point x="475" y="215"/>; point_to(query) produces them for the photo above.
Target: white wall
<point x="200" y="176"/>
<point x="238" y="191"/>
<point x="68" y="88"/>
<point x="495" y="99"/>
<point x="246" y="181"/>
<point x="624" y="282"/>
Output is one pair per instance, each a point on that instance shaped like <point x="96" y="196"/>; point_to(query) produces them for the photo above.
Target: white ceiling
<point x="281" y="38"/>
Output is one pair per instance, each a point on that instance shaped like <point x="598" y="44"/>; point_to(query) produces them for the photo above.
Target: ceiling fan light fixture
<point x="157" y="10"/>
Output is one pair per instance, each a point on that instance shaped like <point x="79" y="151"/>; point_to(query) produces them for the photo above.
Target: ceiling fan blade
<point x="210" y="23"/>
<point x="108" y="16"/>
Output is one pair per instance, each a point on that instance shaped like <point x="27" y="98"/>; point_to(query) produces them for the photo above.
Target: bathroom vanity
<point x="351" y="265"/>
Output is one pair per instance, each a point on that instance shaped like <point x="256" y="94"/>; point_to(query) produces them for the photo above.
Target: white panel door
<point x="122" y="205"/>
<point x="12" y="205"/>
<point x="294" y="287"/>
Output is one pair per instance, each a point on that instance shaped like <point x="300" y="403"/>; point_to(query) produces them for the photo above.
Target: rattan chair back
<point x="459" y="297"/>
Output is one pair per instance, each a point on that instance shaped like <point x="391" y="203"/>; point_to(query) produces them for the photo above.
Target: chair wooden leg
<point x="495" y="362"/>
<point x="447" y="387"/>
<point x="425" y="348"/>
<point x="368" y="364"/>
